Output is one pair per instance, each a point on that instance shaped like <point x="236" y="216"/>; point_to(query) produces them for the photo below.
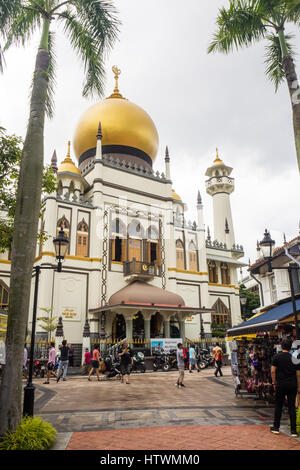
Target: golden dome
<point x="175" y="196"/>
<point x="126" y="129"/>
<point x="68" y="164"/>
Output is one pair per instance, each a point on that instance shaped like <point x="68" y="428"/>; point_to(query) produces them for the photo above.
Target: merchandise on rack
<point x="251" y="361"/>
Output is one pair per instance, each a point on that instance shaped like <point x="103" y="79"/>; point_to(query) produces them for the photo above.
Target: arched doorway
<point x="138" y="327"/>
<point x="174" y="327"/>
<point x="156" y="325"/>
<point x="119" y="327"/>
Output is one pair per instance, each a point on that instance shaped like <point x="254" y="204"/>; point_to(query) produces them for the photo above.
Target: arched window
<point x="225" y="273"/>
<point x="82" y="239"/>
<point x="153" y="246"/>
<point x="4" y="296"/>
<point x="64" y="224"/>
<point x="135" y="235"/>
<point x="193" y="263"/>
<point x="180" y="255"/>
<point x="221" y="313"/>
<point x="118" y="240"/>
<point x="212" y="272"/>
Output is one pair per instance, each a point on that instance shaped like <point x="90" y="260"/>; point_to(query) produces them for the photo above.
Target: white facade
<point x="118" y="215"/>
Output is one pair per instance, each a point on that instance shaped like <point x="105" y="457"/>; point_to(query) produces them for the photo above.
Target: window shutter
<point x="124" y="250"/>
<point x="158" y="253"/>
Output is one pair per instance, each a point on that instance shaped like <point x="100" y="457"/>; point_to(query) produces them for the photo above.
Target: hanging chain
<point x="104" y="259"/>
<point x="163" y="253"/>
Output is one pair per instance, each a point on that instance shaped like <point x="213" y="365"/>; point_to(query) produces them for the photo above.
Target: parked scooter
<point x="112" y="366"/>
<point x="39" y="368"/>
<point x="172" y="359"/>
<point x="205" y="359"/>
<point x="160" y="361"/>
<point x="138" y="362"/>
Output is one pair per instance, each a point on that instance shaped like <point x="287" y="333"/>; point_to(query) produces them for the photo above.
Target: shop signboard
<point x="164" y="344"/>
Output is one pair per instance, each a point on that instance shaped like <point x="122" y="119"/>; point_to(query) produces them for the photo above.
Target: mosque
<point x="134" y="267"/>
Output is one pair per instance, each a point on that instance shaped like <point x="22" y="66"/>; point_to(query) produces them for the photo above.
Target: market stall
<point x="253" y="345"/>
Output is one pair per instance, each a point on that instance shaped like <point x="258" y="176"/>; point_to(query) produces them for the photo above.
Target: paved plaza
<point x="152" y="413"/>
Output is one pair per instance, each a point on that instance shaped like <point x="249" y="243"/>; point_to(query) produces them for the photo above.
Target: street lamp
<point x="61" y="244"/>
<point x="243" y="300"/>
<point x="267" y="249"/>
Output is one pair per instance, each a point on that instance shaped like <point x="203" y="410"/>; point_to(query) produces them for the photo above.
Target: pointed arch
<point x="64" y="224"/>
<point x="4" y="295"/>
<point x="193" y="256"/>
<point x="180" y="264"/>
<point x="82" y="239"/>
<point x="225" y="273"/>
<point x="221" y="313"/>
<point x="212" y="271"/>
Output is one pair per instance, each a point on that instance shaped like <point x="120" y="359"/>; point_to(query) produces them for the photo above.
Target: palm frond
<point x="240" y="25"/>
<point x="293" y="11"/>
<point x="90" y="42"/>
<point x="273" y="58"/>
<point x="23" y="27"/>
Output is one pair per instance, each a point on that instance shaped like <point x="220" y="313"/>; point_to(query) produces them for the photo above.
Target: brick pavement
<point x="184" y="438"/>
<point x="151" y="413"/>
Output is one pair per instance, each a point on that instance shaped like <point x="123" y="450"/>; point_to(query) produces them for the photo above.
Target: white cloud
<point x="197" y="101"/>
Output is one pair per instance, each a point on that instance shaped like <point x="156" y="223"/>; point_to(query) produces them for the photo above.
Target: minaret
<point x="167" y="164"/>
<point x="99" y="143"/>
<point x="200" y="211"/>
<point x="54" y="162"/>
<point x="220" y="186"/>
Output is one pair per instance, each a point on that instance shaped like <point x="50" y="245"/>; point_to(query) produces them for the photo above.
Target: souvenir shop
<point x="252" y="346"/>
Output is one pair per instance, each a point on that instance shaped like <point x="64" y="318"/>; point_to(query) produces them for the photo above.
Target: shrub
<point x="30" y="434"/>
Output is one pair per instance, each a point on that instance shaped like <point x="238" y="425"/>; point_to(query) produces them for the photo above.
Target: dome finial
<point x="116" y="93"/>
<point x="69" y="149"/>
<point x="218" y="161"/>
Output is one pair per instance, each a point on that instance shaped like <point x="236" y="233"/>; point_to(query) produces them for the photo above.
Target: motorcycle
<point x="205" y="359"/>
<point x="39" y="368"/>
<point x="160" y="361"/>
<point x="112" y="366"/>
<point x="172" y="359"/>
<point x="138" y="362"/>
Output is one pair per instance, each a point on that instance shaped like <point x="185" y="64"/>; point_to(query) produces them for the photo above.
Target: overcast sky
<point x="197" y="101"/>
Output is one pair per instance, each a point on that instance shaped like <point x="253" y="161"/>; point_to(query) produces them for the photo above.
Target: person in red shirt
<point x="87" y="360"/>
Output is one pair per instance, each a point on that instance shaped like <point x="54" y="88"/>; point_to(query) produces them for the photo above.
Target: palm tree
<point x="91" y="27"/>
<point x="246" y="22"/>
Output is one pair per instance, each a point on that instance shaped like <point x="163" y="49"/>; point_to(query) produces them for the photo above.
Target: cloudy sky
<point x="197" y="101"/>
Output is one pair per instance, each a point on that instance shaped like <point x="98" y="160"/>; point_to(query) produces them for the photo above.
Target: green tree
<point x="245" y="22"/>
<point x="49" y="323"/>
<point x="91" y="27"/>
<point x="253" y="301"/>
<point x="10" y="159"/>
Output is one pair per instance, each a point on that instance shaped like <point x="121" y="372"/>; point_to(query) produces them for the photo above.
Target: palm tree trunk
<point x="294" y="89"/>
<point x="24" y="242"/>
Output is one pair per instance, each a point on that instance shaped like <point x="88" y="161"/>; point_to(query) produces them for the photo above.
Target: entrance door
<point x="134" y="249"/>
<point x="119" y="328"/>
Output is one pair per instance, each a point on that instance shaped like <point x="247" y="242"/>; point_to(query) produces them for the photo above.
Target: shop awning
<point x="267" y="320"/>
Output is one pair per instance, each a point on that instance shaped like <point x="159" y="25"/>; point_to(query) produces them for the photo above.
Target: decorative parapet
<point x="80" y="200"/>
<point x="182" y="223"/>
<point x="141" y="170"/>
<point x="222" y="246"/>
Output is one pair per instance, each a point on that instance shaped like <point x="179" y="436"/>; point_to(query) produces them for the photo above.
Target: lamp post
<point x="243" y="300"/>
<point x="267" y="249"/>
<point x="61" y="244"/>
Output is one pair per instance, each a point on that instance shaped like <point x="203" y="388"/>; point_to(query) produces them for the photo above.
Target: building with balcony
<point x="135" y="267"/>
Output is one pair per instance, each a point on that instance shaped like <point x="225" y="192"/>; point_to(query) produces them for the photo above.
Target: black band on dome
<point x="122" y="149"/>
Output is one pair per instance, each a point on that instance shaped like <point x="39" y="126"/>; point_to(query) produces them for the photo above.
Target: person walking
<point x="286" y="381"/>
<point x="95" y="363"/>
<point x="217" y="354"/>
<point x="71" y="355"/>
<point x="87" y="361"/>
<point x="181" y="367"/>
<point x="51" y="362"/>
<point x="192" y="359"/>
<point x="63" y="362"/>
<point x="126" y="362"/>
